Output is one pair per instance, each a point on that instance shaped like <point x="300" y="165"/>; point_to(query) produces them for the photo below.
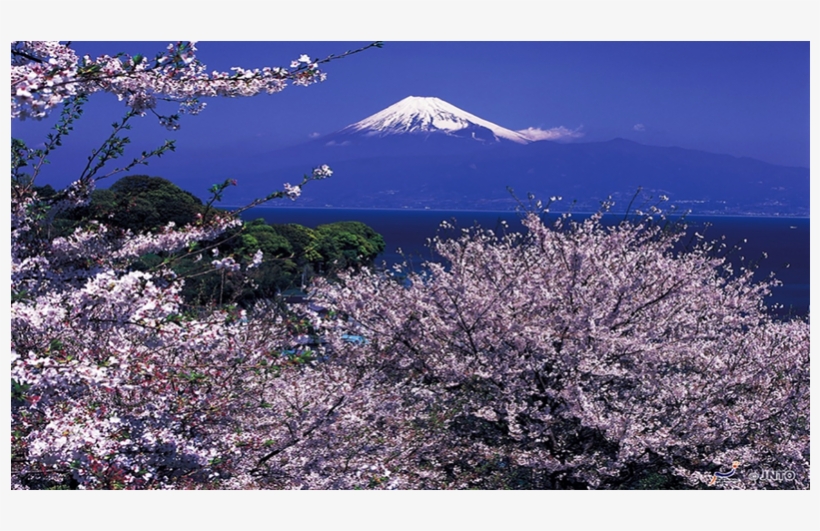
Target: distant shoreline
<point x="556" y="211"/>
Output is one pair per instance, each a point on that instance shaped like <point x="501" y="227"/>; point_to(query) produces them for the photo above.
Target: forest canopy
<point x="293" y="254"/>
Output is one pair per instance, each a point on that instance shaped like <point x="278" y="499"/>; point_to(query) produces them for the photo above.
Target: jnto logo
<point x="773" y="475"/>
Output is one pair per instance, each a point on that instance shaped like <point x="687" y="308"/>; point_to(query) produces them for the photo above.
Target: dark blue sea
<point x="785" y="240"/>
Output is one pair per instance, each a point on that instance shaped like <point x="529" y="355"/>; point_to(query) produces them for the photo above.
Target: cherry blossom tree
<point x="580" y="356"/>
<point x="46" y="74"/>
<point x="116" y="384"/>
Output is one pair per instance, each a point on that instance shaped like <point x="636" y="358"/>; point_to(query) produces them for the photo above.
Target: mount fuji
<point x="413" y="126"/>
<point x="431" y="116"/>
<point x="423" y="152"/>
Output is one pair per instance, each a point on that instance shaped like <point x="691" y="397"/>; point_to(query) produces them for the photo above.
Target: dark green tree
<point x="147" y="203"/>
<point x="137" y="202"/>
<point x="347" y="244"/>
<point x="293" y="254"/>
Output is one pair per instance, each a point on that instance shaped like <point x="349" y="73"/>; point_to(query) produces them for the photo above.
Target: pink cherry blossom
<point x="581" y="356"/>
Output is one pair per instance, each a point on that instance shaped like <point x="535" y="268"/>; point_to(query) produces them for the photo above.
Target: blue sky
<point x="742" y="98"/>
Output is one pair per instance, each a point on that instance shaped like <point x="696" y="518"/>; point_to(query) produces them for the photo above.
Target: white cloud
<point x="315" y="135"/>
<point x="639" y="127"/>
<point x="556" y="133"/>
<point x="334" y="143"/>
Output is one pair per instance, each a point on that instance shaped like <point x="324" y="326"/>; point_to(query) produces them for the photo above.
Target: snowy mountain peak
<point x="424" y="115"/>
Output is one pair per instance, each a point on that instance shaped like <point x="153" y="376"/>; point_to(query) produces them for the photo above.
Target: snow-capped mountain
<point x="427" y="115"/>
<point x="426" y="153"/>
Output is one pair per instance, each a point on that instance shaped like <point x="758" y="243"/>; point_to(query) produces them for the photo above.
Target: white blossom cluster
<point x="44" y="74"/>
<point x="292" y="192"/>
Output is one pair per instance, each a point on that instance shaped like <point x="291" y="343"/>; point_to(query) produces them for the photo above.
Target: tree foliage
<point x="293" y="254"/>
<point x="147" y="203"/>
<point x="347" y="244"/>
<point x="581" y="356"/>
<point x="137" y="203"/>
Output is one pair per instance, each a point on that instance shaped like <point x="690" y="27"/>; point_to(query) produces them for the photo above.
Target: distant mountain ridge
<point x="426" y="153"/>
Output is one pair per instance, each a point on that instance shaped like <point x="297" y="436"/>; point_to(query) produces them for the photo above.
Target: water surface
<point x="784" y="240"/>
